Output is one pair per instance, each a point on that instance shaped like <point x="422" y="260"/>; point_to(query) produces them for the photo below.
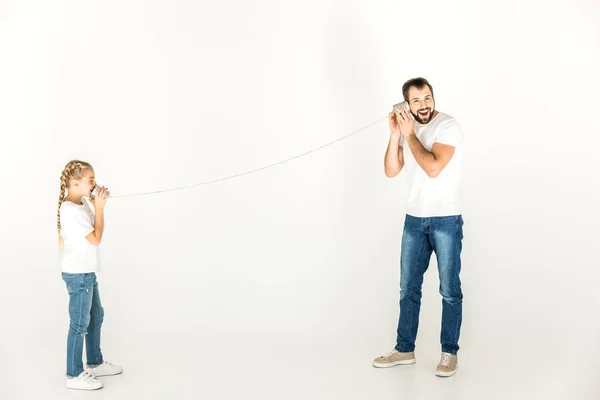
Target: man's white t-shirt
<point x="439" y="196"/>
<point x="78" y="255"/>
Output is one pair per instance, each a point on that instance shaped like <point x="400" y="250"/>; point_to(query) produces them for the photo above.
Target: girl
<point x="80" y="231"/>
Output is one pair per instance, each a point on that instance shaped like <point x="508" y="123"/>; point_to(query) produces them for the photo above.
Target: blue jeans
<point x="86" y="314"/>
<point x="421" y="237"/>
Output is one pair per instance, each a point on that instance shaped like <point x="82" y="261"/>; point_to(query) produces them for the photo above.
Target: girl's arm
<point x="96" y="236"/>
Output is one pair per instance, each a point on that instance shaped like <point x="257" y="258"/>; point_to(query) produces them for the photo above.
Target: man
<point x="429" y="148"/>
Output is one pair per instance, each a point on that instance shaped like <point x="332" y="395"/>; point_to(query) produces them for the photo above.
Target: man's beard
<point x="423" y="119"/>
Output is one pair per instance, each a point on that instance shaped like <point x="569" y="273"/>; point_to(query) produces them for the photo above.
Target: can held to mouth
<point x="95" y="191"/>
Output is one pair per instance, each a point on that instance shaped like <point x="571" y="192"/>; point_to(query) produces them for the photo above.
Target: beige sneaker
<point x="448" y="365"/>
<point x="394" y="358"/>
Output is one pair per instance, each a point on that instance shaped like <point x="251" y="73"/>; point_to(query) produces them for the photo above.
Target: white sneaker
<point x="104" y="369"/>
<point x="84" y="381"/>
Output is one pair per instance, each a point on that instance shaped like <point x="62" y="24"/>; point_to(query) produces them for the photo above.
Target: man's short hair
<point x="419" y="83"/>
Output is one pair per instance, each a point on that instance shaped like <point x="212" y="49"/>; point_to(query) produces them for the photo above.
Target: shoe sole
<point x="446" y="374"/>
<point x="84" y="389"/>
<point x="96" y="376"/>
<point x="393" y="364"/>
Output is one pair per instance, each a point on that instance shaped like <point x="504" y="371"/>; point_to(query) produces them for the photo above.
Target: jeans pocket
<point x="72" y="283"/>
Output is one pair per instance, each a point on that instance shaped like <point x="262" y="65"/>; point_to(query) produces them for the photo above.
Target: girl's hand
<point x="99" y="201"/>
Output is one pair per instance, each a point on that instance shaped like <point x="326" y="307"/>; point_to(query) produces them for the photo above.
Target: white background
<point x="284" y="283"/>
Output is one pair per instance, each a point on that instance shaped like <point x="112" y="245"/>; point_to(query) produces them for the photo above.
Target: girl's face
<point x="85" y="185"/>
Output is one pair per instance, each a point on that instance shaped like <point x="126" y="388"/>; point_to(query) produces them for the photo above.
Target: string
<point x="252" y="170"/>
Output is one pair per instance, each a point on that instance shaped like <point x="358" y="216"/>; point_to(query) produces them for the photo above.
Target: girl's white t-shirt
<point x="78" y="255"/>
<point x="439" y="196"/>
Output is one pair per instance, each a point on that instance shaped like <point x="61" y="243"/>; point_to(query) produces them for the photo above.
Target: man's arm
<point x="394" y="157"/>
<point x="431" y="162"/>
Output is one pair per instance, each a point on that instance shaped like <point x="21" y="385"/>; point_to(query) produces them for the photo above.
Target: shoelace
<point x="445" y="361"/>
<point x="86" y="377"/>
<point x="388" y="355"/>
<point x="105" y="364"/>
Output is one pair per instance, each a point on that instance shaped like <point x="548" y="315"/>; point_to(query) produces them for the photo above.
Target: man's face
<point x="421" y="104"/>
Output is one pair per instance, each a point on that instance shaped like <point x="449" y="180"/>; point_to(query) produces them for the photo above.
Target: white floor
<point x="257" y="314"/>
<point x="162" y="364"/>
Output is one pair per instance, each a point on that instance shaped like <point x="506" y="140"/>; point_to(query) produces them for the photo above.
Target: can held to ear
<point x="399" y="106"/>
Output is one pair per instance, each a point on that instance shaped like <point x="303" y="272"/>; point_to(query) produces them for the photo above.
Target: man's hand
<point x="394" y="125"/>
<point x="406" y="122"/>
